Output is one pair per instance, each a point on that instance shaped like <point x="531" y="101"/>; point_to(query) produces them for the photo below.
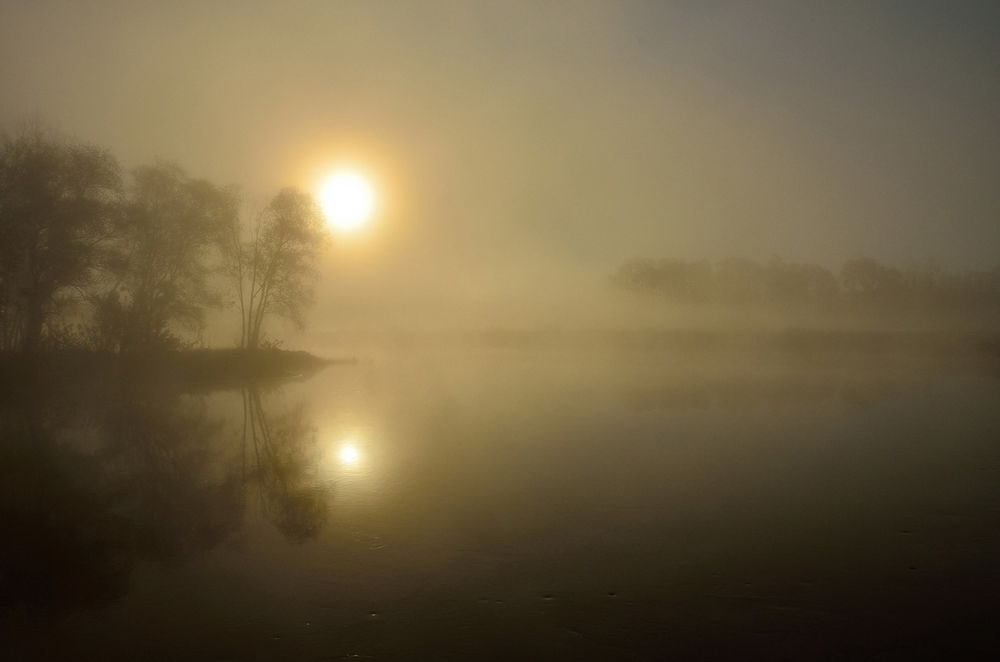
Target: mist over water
<point x="594" y="504"/>
<point x="456" y="330"/>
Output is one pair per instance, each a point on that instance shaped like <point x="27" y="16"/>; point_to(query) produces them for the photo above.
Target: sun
<point x="347" y="199"/>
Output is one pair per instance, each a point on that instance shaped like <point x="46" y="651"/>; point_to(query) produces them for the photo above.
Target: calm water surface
<point x="512" y="505"/>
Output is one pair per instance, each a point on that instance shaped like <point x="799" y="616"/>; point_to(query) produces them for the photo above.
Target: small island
<point x="106" y="274"/>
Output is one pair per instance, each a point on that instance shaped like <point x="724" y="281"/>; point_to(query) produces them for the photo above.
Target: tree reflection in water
<point x="95" y="478"/>
<point x="283" y="452"/>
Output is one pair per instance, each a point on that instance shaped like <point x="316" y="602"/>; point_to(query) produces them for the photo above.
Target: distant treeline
<point x="861" y="284"/>
<point x="95" y="256"/>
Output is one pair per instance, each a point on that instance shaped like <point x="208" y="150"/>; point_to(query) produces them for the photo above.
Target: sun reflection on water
<point x="348" y="453"/>
<point x="349" y="460"/>
<point x="345" y="454"/>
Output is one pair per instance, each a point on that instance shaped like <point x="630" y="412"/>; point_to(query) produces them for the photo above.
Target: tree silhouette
<point x="273" y="268"/>
<point x="675" y="280"/>
<point x="739" y="280"/>
<point x="163" y="252"/>
<point x="800" y="284"/>
<point x="868" y="283"/>
<point x="56" y="203"/>
<point x="143" y="257"/>
<point x="863" y="286"/>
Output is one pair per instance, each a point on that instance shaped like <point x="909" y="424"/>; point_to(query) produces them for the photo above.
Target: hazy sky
<point x="538" y="141"/>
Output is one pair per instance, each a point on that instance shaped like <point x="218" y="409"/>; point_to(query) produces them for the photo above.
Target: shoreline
<point x="188" y="370"/>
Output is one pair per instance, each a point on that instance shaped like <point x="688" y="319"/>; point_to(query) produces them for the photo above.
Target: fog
<point x="499" y="330"/>
<point x="522" y="153"/>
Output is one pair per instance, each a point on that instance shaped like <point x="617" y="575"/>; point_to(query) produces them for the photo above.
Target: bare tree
<point x="272" y="267"/>
<point x="56" y="201"/>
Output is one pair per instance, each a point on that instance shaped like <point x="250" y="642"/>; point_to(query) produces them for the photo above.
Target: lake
<point x="509" y="504"/>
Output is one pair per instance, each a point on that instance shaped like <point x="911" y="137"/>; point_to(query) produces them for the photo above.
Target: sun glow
<point x="349" y="455"/>
<point x="347" y="199"/>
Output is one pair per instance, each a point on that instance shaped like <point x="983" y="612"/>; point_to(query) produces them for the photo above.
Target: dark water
<point x="511" y="505"/>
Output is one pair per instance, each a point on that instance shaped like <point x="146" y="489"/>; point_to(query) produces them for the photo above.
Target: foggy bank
<point x="168" y="371"/>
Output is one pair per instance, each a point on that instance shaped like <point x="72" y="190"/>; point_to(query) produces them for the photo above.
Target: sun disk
<point x="347" y="199"/>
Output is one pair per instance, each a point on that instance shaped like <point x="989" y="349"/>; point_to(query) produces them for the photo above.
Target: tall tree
<point x="165" y="250"/>
<point x="272" y="267"/>
<point x="56" y="202"/>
